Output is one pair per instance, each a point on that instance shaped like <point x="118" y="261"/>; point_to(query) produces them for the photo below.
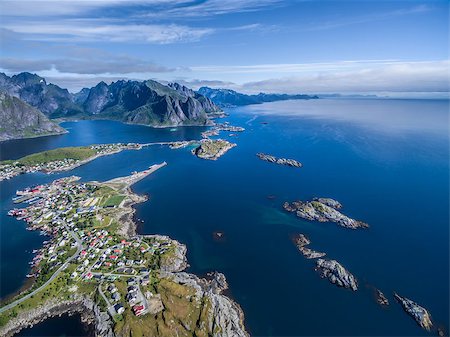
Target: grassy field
<point x="115" y="200"/>
<point x="77" y="153"/>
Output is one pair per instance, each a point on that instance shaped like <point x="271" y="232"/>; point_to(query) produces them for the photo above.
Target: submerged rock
<point x="336" y="274"/>
<point x="279" y="161"/>
<point x="319" y="211"/>
<point x="420" y="314"/>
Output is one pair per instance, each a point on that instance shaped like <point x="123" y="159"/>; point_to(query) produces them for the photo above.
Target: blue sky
<point x="397" y="47"/>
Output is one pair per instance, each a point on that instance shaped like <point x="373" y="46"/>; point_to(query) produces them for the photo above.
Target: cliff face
<point x="20" y="120"/>
<point x="227" y="97"/>
<point x="50" y="99"/>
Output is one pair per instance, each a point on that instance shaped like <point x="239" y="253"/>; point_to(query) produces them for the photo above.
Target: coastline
<point x="226" y="316"/>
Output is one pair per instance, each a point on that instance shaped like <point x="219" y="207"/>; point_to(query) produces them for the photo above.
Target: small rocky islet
<point x="323" y="210"/>
<point x="301" y="241"/>
<point x="381" y="299"/>
<point x="336" y="274"/>
<point x="417" y="312"/>
<point x="279" y="161"/>
<point x="212" y="149"/>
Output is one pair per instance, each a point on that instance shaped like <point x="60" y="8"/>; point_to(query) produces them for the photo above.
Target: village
<point x="80" y="219"/>
<point x="62" y="159"/>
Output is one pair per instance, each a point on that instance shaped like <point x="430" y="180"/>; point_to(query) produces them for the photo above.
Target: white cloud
<point x="342" y="76"/>
<point x="94" y="30"/>
<point x="398" y="76"/>
<point x="38" y="8"/>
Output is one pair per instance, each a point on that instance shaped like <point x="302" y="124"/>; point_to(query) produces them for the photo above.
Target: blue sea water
<point x="386" y="161"/>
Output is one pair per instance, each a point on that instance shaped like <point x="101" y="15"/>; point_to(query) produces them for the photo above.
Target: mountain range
<point x="147" y="102"/>
<point x="137" y="102"/>
<point x="230" y="98"/>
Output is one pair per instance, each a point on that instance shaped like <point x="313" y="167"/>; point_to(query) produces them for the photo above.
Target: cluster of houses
<point x="57" y="209"/>
<point x="10" y="170"/>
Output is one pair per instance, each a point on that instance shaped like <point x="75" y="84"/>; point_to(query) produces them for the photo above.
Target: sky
<point x="397" y="48"/>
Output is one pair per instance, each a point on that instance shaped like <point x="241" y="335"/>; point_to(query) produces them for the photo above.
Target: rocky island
<point x="381" y="299"/>
<point x="212" y="149"/>
<point x="418" y="313"/>
<point x="95" y="264"/>
<point x="323" y="211"/>
<point x="336" y="274"/>
<point x="301" y="241"/>
<point x="61" y="159"/>
<point x="279" y="161"/>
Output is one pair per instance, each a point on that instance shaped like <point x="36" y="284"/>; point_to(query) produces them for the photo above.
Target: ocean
<point x="386" y="161"/>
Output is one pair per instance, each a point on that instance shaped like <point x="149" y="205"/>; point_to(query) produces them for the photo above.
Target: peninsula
<point x="61" y="159"/>
<point x="95" y="264"/>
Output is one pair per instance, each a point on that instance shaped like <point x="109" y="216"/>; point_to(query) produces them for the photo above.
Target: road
<point x="55" y="274"/>
<point x="111" y="309"/>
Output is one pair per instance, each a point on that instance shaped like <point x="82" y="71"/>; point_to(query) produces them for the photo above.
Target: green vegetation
<point x="115" y="200"/>
<point x="76" y="153"/>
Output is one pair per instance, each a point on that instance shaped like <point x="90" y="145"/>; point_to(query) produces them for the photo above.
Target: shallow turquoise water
<point x="387" y="161"/>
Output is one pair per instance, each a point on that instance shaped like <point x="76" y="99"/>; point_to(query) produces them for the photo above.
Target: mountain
<point x="20" y="120"/>
<point x="149" y="103"/>
<point x="229" y="98"/>
<point x="50" y="99"/>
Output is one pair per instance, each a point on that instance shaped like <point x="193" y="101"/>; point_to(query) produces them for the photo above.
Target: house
<point x="139" y="310"/>
<point x="115" y="296"/>
<point x="119" y="308"/>
<point x="132" y="289"/>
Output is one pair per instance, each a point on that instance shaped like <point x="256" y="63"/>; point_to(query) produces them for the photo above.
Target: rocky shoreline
<point x="91" y="314"/>
<point x="225" y="317"/>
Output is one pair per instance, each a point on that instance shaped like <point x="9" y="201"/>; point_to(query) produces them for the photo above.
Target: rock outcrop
<point x="418" y="313"/>
<point x="319" y="211"/>
<point x="381" y="299"/>
<point x="20" y="120"/>
<point x="225" y="316"/>
<point x="336" y="274"/>
<point x="279" y="161"/>
<point x="301" y="241"/>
